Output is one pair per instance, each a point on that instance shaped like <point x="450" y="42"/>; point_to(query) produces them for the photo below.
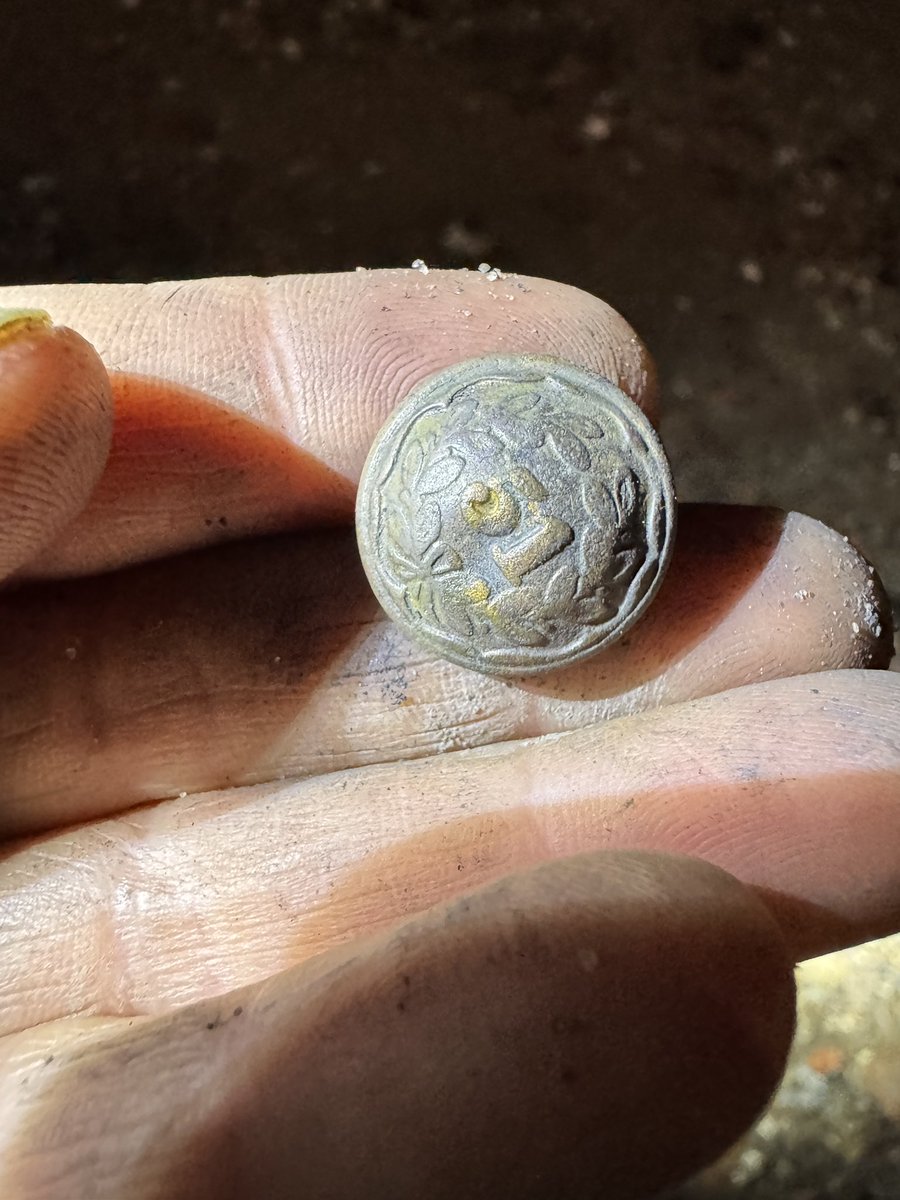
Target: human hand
<point x="331" y="959"/>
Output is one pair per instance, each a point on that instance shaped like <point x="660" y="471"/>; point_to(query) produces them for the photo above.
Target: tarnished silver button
<point x="516" y="514"/>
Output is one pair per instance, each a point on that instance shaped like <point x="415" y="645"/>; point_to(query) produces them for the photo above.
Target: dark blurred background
<point x="726" y="174"/>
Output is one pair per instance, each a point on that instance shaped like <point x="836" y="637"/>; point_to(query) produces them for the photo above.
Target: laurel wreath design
<point x="593" y="578"/>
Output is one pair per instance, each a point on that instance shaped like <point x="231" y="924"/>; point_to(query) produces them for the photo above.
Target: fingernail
<point x="16" y="321"/>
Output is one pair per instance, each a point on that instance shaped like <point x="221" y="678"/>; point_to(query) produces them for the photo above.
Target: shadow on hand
<point x="186" y="471"/>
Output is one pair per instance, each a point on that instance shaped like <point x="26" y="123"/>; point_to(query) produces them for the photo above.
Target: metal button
<point x="516" y="514"/>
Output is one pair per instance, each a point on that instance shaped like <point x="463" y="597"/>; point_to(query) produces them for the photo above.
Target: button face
<point x="516" y="514"/>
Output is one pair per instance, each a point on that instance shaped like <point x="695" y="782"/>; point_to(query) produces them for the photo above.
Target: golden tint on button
<point x="516" y="514"/>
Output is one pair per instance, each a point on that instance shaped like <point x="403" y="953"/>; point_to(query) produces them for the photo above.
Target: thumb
<point x="55" y="426"/>
<point x="600" y="1025"/>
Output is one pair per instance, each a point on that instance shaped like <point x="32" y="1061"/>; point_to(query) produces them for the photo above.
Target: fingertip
<point x="352" y="346"/>
<point x="836" y="600"/>
<point x="55" y="430"/>
<point x="616" y="1017"/>
<point x="595" y="335"/>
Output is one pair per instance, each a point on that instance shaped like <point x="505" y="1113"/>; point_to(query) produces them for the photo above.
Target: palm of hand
<point x="392" y="969"/>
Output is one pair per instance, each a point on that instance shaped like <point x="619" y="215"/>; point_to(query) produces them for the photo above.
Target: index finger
<point x="247" y="405"/>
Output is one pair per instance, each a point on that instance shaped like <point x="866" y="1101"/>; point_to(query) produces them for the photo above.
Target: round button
<point x="516" y="514"/>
